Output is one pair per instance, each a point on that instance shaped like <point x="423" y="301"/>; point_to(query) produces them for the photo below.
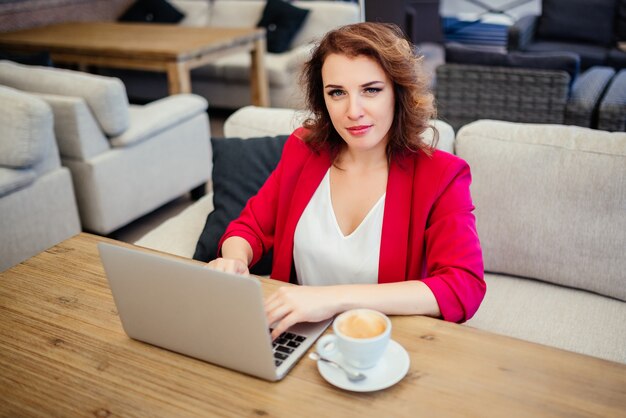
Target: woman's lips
<point x="359" y="130"/>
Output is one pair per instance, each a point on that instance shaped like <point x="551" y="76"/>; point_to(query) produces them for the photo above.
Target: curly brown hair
<point x="386" y="44"/>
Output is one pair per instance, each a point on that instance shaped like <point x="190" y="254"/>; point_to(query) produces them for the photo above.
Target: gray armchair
<point x="517" y="87"/>
<point x="37" y="204"/>
<point x="125" y="160"/>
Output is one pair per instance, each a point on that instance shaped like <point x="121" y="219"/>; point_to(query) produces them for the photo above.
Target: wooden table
<point x="155" y="47"/>
<point x="63" y="353"/>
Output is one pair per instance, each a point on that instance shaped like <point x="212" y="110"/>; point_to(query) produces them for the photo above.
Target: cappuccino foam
<point x="362" y="325"/>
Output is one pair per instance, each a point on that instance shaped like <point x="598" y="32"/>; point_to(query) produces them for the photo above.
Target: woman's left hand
<point x="292" y="304"/>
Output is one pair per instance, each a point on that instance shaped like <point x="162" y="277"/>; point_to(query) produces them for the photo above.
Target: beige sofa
<point x="551" y="215"/>
<point x="226" y="82"/>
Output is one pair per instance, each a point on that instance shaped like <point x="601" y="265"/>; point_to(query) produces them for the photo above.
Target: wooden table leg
<point x="178" y="78"/>
<point x="258" y="75"/>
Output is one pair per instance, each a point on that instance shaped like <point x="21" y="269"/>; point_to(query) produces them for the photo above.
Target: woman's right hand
<point x="229" y="265"/>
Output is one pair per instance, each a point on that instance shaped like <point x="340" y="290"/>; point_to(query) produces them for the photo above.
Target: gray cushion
<point x="240" y="168"/>
<point x="26" y="123"/>
<point x="105" y="96"/>
<point x="550" y="202"/>
<point x="569" y="319"/>
<point x="11" y="180"/>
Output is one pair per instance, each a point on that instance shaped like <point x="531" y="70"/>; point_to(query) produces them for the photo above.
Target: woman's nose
<point x="355" y="108"/>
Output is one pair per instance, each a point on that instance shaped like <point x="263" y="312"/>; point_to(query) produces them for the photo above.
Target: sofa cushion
<point x="196" y="12"/>
<point x="158" y="11"/>
<point x="323" y="17"/>
<point x="281" y="21"/>
<point x="550" y="202"/>
<point x="14" y="179"/>
<point x="589" y="54"/>
<point x="26" y="123"/>
<point x="577" y="20"/>
<point x="557" y="316"/>
<point x="240" y="167"/>
<point x="563" y="61"/>
<point x="106" y="96"/>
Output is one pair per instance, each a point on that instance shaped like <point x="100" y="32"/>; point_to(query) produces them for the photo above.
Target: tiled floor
<point x="140" y="227"/>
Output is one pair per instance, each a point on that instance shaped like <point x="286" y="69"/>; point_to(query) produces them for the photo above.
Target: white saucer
<point x="391" y="368"/>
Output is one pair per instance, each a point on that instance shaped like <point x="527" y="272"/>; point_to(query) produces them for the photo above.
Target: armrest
<point x="77" y="132"/>
<point x="252" y="121"/>
<point x="521" y="33"/>
<point x="585" y="95"/>
<point x="146" y="121"/>
<point x="612" y="116"/>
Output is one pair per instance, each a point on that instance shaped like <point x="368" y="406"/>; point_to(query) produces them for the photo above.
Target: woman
<point x="360" y="209"/>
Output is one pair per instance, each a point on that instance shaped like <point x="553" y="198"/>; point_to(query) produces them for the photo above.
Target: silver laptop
<point x="206" y="314"/>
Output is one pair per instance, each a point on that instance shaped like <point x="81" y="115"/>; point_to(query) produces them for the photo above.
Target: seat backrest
<point x="27" y="139"/>
<point x="550" y="202"/>
<point x="105" y="96"/>
<point x="253" y="121"/>
<point x="323" y="16"/>
<point x="585" y="21"/>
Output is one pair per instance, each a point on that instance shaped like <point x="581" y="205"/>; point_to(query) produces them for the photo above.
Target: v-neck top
<point x="323" y="255"/>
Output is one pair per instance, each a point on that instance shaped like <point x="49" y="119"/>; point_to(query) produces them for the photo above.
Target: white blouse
<point x="323" y="255"/>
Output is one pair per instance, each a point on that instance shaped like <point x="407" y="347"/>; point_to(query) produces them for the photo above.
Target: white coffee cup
<point x="360" y="335"/>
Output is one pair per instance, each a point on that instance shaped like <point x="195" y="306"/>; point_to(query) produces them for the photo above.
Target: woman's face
<point x="360" y="100"/>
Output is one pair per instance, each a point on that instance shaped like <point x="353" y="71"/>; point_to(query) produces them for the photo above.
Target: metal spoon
<point x="352" y="375"/>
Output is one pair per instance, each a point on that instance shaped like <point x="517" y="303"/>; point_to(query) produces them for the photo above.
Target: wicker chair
<point x="612" y="115"/>
<point x="467" y="92"/>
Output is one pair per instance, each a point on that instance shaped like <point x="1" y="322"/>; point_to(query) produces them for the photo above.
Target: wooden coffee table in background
<point x="155" y="47"/>
<point x="63" y="352"/>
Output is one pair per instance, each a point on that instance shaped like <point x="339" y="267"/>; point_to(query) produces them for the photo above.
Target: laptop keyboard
<point x="284" y="345"/>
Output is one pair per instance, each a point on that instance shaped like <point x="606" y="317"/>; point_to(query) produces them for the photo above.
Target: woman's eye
<point x="372" y="90"/>
<point x="335" y="93"/>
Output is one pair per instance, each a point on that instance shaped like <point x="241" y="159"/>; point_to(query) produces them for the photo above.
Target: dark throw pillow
<point x="240" y="168"/>
<point x="152" y="11"/>
<point x="36" y="58"/>
<point x="281" y="21"/>
<point x="620" y="22"/>
<point x="577" y="20"/>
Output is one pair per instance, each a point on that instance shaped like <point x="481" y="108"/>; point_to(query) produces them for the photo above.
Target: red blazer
<point x="429" y="231"/>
